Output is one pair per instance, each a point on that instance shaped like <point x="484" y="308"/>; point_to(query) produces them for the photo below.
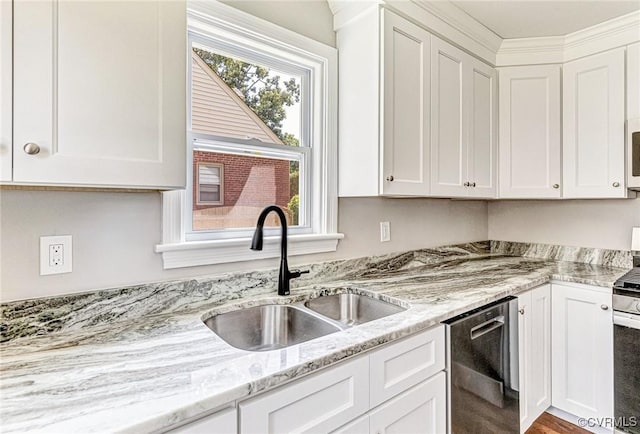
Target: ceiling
<point x="523" y="19"/>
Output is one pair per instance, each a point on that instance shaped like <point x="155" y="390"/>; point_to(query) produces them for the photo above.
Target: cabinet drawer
<point x="397" y="367"/>
<point x="320" y="403"/>
<point x="222" y="422"/>
<point x="422" y="409"/>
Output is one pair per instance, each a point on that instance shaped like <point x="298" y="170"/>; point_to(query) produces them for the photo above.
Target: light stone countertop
<point x="147" y="373"/>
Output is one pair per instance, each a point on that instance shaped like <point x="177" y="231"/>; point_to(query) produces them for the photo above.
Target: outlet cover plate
<point x="56" y="255"/>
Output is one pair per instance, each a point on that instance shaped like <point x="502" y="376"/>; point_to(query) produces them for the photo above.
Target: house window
<point x="209" y="183"/>
<point x="249" y="113"/>
<point x="262" y="118"/>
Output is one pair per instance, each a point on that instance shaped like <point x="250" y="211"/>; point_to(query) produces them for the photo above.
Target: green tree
<point x="266" y="96"/>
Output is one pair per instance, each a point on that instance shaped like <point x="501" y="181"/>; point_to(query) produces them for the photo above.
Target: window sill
<point x="195" y="253"/>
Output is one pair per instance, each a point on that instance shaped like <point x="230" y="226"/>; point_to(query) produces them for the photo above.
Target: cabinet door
<point x="421" y="409"/>
<point x="534" y="332"/>
<point x="405" y="143"/>
<point x="582" y="351"/>
<point x="482" y="130"/>
<point x="448" y="126"/>
<point x="100" y="87"/>
<point x="222" y="422"/>
<point x="5" y="90"/>
<point x="530" y="153"/>
<point x="320" y="403"/>
<point x="593" y="126"/>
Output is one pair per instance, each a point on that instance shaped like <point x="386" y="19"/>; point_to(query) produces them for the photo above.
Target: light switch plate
<point x="385" y="232"/>
<point x="56" y="255"/>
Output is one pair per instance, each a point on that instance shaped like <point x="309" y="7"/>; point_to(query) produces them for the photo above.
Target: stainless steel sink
<point x="268" y="327"/>
<point x="352" y="309"/>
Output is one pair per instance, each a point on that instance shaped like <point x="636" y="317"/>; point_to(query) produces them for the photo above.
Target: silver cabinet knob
<point x="390" y="178"/>
<point x="556" y="185"/>
<point x="521" y="311"/>
<point x="616" y="184"/>
<point x="31" y="148"/>
<point x="604" y="307"/>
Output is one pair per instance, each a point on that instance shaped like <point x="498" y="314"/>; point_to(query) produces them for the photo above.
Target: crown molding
<point x="610" y="34"/>
<point x="441" y="18"/>
<point x="446" y="20"/>
<point x="345" y="11"/>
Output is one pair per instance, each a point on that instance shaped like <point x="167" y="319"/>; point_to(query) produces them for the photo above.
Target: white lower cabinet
<point x="320" y="403"/>
<point x="422" y="409"/>
<point x="534" y="335"/>
<point x="582" y="350"/>
<point x="399" y="388"/>
<point x="397" y="367"/>
<point x="222" y="422"/>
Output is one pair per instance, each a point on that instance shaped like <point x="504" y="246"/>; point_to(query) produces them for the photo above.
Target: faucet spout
<point x="284" y="275"/>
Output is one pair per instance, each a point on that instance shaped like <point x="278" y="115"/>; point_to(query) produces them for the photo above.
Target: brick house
<point x="230" y="189"/>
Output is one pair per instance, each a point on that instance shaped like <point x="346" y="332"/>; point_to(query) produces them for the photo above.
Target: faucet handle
<point x="296" y="273"/>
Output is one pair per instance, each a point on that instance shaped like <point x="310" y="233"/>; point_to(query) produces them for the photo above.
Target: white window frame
<point x="222" y="22"/>
<point x="219" y="202"/>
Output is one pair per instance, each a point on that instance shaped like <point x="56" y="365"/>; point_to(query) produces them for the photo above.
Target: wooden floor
<point x="550" y="424"/>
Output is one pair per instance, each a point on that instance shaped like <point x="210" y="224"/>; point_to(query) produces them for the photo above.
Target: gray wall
<point x="584" y="223"/>
<point x="114" y="235"/>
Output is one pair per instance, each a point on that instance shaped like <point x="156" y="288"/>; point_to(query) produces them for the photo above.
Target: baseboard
<point x="575" y="420"/>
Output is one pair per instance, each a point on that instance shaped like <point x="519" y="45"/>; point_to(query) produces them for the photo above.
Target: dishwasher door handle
<point x="486" y="327"/>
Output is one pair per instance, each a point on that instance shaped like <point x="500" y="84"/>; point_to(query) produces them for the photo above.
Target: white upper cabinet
<point x="530" y="131"/>
<point x="593" y="126"/>
<point x="405" y="143"/>
<point x="99" y="90"/>
<point x="463" y="144"/>
<point x="448" y="129"/>
<point x="384" y="106"/>
<point x="482" y="152"/>
<point x="633" y="81"/>
<point x="5" y="90"/>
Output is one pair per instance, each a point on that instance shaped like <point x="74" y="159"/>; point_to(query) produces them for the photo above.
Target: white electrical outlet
<point x="55" y="255"/>
<point x="385" y="232"/>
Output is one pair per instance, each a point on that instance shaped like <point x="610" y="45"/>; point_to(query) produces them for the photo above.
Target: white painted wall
<point x="583" y="223"/>
<point x="311" y="18"/>
<point x="114" y="235"/>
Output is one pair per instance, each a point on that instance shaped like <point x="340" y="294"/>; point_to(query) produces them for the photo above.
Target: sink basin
<point x="268" y="327"/>
<point x="352" y="309"/>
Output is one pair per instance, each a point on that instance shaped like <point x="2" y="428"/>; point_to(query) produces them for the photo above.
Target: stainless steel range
<point x="626" y="361"/>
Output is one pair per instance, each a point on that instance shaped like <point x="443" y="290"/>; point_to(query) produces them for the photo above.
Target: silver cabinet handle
<point x="521" y="311"/>
<point x="31" y="148"/>
<point x="390" y="178"/>
<point x="616" y="184"/>
<point x="556" y="185"/>
<point x="604" y="307"/>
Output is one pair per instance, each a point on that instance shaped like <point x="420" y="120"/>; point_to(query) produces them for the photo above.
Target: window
<point x="209" y="183"/>
<point x="262" y="119"/>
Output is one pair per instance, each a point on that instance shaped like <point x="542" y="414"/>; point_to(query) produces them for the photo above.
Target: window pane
<point x="240" y="100"/>
<point x="248" y="184"/>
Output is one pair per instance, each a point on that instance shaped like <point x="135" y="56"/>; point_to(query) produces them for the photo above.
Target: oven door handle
<point x="627" y="320"/>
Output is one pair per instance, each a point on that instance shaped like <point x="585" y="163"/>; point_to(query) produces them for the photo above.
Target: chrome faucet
<point x="285" y="275"/>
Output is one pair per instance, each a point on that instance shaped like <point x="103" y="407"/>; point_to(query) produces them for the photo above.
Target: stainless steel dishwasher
<point x="483" y="369"/>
